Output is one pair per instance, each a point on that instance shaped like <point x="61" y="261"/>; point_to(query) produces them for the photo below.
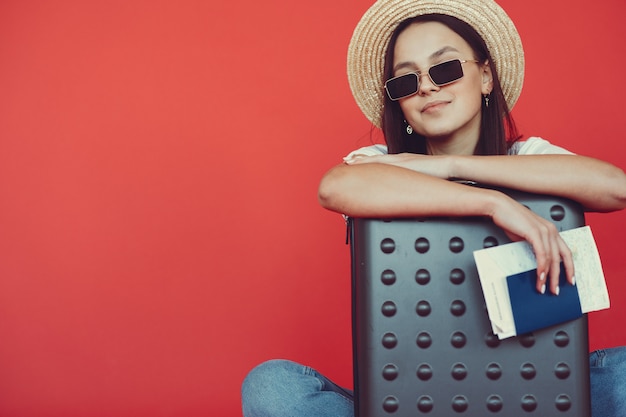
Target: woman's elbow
<point x="612" y="196"/>
<point x="619" y="191"/>
<point x="330" y="191"/>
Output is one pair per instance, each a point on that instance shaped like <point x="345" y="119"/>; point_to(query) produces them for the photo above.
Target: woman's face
<point x="449" y="115"/>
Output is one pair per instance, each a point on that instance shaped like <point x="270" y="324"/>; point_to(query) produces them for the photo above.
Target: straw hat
<point x="366" y="53"/>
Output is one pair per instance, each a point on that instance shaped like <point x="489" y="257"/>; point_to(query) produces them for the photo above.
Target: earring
<point x="486" y="100"/>
<point x="409" y="128"/>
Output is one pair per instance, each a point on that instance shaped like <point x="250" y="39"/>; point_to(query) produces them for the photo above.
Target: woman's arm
<point x="386" y="190"/>
<point x="597" y="185"/>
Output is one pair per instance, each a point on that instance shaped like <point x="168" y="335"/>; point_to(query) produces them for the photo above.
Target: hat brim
<point x="366" y="52"/>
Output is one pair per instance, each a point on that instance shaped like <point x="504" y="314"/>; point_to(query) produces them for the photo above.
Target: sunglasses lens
<point x="446" y="72"/>
<point x="402" y="86"/>
<point x="408" y="84"/>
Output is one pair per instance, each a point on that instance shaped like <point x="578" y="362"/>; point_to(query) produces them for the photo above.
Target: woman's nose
<point x="425" y="84"/>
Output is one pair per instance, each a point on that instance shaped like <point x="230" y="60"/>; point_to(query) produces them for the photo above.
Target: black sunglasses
<point x="440" y="74"/>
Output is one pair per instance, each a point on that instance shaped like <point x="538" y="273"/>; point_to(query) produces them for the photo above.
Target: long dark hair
<point x="497" y="128"/>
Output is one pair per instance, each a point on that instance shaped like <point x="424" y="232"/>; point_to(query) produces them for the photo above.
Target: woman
<point x="448" y="75"/>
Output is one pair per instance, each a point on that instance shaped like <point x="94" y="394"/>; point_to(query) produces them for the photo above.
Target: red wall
<point x="159" y="161"/>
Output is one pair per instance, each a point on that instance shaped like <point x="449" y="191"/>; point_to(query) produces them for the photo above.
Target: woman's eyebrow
<point x="442" y="51"/>
<point x="407" y="64"/>
<point x="432" y="57"/>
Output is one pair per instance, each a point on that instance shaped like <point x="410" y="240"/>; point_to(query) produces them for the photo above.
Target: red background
<point x="159" y="163"/>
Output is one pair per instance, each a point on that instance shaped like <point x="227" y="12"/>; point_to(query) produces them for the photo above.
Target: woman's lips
<point x="434" y="105"/>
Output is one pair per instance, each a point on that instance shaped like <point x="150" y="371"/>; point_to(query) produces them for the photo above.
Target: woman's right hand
<point x="520" y="223"/>
<point x="383" y="189"/>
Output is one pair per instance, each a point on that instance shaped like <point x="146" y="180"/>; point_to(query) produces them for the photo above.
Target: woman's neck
<point x="461" y="141"/>
<point x="442" y="146"/>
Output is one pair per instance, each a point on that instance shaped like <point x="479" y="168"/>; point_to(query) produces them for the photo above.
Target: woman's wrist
<point x="492" y="202"/>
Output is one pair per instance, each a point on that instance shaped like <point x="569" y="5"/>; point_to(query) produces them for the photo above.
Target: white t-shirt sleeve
<point x="537" y="146"/>
<point x="369" y="151"/>
<point x="532" y="146"/>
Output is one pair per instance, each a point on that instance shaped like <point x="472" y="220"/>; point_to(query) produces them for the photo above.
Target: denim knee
<point x="281" y="388"/>
<point x="265" y="391"/>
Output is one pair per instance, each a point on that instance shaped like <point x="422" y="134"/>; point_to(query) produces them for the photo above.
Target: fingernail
<point x="558" y="290"/>
<point x="543" y="288"/>
<point x="543" y="276"/>
<point x="573" y="280"/>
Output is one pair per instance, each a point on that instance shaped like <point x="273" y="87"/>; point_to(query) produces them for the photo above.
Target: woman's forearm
<point x="381" y="190"/>
<point x="597" y="185"/>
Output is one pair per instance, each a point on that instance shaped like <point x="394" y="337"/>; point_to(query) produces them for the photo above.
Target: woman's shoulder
<point x="535" y="145"/>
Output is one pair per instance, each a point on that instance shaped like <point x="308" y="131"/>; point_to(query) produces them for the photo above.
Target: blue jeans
<point x="608" y="382"/>
<point x="281" y="388"/>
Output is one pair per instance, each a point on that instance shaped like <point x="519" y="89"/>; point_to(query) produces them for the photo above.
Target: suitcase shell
<point x="422" y="340"/>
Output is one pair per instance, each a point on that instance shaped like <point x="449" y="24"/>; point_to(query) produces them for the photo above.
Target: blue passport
<point x="533" y="310"/>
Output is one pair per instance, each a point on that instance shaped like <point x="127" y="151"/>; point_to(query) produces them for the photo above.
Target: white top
<point x="532" y="146"/>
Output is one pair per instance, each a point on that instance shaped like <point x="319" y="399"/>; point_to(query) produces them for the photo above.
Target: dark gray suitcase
<point x="422" y="339"/>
